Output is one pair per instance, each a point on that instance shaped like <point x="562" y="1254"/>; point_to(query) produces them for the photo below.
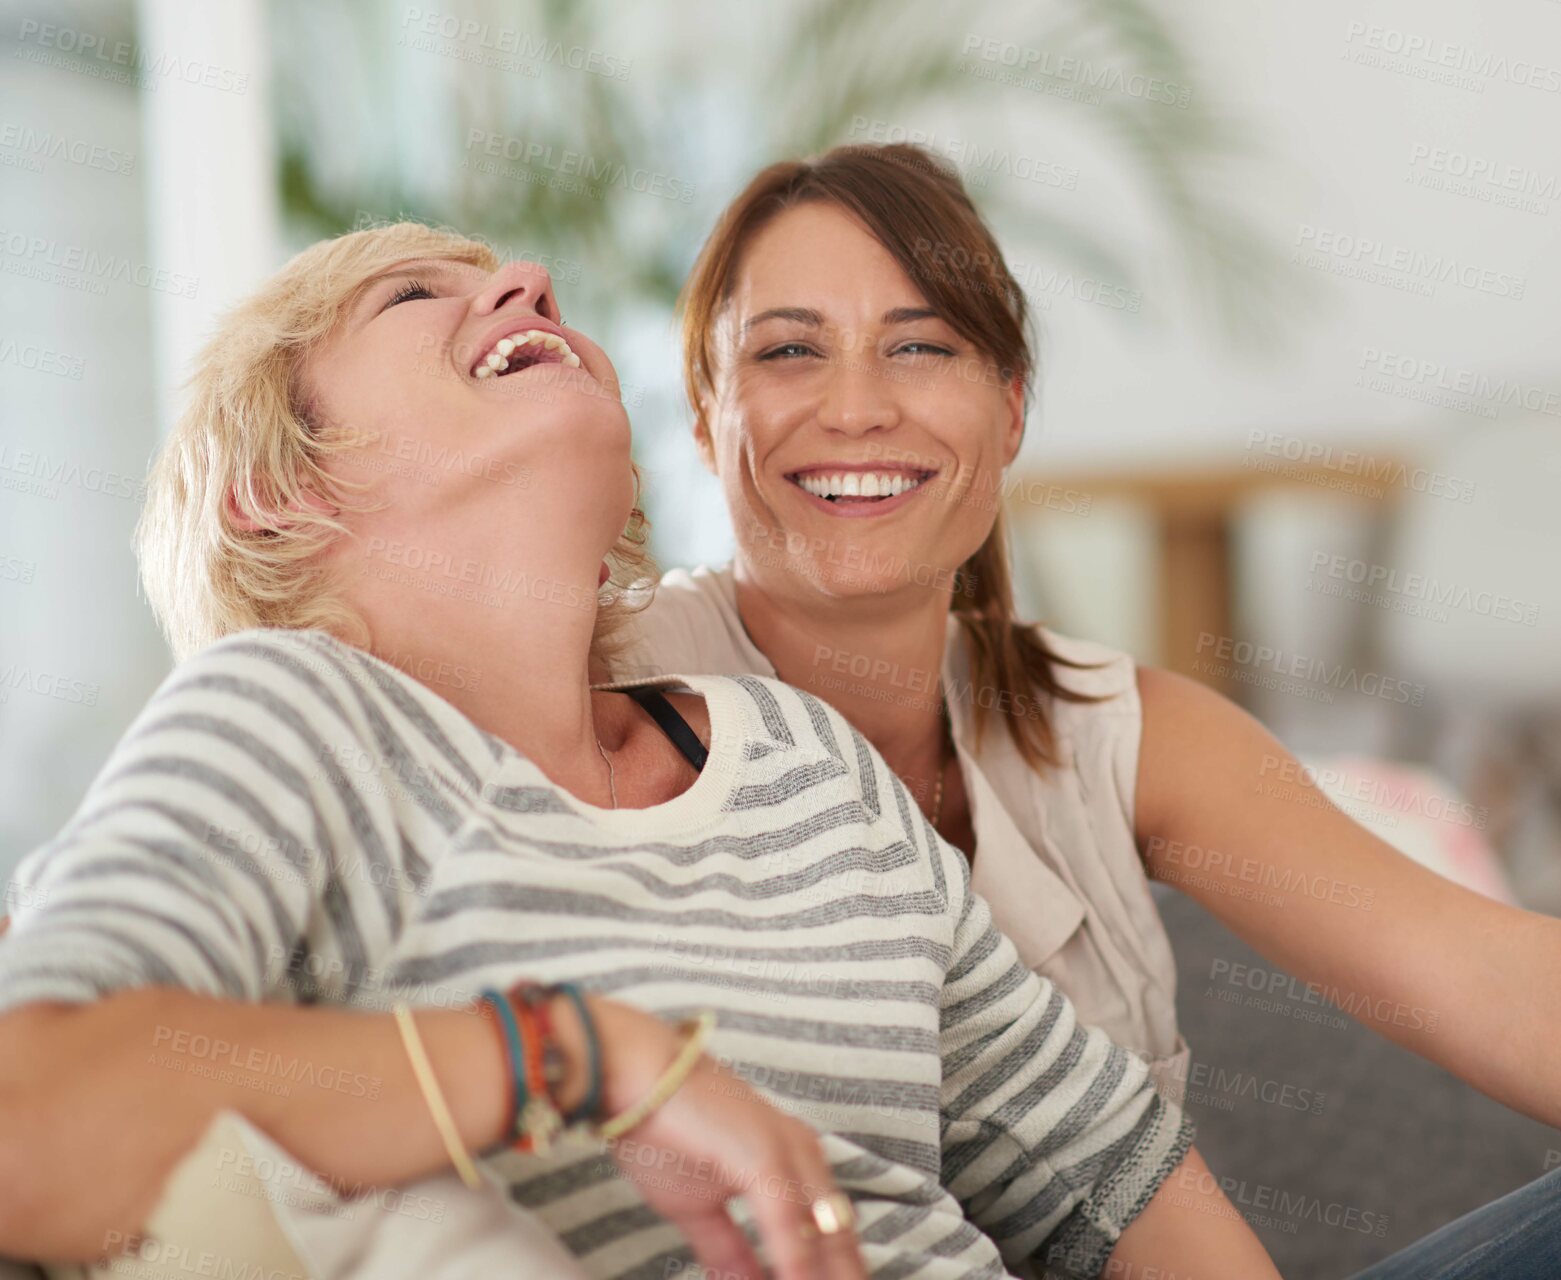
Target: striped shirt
<point x="290" y="818"/>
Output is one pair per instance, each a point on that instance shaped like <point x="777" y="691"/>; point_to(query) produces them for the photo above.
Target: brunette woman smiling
<point x="857" y="360"/>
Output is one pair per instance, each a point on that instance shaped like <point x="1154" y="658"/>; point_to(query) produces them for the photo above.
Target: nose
<point x="526" y="284"/>
<point x="857" y="398"/>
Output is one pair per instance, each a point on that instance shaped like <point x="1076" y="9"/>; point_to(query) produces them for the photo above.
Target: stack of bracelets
<point x="536" y="1069"/>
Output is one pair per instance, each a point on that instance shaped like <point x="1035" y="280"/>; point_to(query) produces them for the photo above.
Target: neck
<point x="516" y="662"/>
<point x="878" y="660"/>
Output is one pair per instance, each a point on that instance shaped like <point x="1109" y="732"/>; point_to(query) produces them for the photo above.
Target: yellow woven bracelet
<point x="423" y="1069"/>
<point x="695" y="1032"/>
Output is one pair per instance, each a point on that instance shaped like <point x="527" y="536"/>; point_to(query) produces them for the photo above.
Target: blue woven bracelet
<point x="590" y="1105"/>
<point x="517" y="1060"/>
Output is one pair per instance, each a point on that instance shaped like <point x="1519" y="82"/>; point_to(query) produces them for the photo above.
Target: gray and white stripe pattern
<point x="291" y="818"/>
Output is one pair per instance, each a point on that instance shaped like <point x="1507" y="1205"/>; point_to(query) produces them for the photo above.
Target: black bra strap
<point x="672" y="724"/>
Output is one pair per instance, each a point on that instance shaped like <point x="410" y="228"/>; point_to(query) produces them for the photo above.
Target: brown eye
<point x="788" y="351"/>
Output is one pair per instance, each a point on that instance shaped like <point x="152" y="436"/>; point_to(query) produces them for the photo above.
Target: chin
<point x="859" y="573"/>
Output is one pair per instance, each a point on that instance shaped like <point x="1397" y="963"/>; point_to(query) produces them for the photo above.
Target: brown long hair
<point x="916" y="206"/>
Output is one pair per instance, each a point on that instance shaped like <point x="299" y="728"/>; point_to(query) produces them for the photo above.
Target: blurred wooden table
<point x="1194" y="511"/>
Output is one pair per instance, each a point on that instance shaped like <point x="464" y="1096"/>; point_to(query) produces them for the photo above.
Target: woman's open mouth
<point x="860" y="491"/>
<point x="524" y="350"/>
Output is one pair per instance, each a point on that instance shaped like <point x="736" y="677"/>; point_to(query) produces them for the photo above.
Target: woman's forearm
<point x="1190" y="1228"/>
<point x="126" y="1086"/>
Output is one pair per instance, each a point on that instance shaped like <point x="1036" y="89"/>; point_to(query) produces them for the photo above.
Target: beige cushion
<point x="239" y="1202"/>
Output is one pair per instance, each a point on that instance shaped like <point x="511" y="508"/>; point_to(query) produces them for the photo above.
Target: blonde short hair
<point x="249" y="429"/>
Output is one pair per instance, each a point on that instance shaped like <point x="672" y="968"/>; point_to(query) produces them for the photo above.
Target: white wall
<point x="1334" y="142"/>
<point x="153" y="168"/>
<point x="1334" y="145"/>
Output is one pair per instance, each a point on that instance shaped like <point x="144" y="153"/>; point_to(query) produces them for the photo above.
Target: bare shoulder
<point x="1196" y="743"/>
<point x="1177" y="702"/>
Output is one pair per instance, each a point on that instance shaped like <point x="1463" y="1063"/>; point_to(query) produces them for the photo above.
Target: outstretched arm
<point x="1225" y="814"/>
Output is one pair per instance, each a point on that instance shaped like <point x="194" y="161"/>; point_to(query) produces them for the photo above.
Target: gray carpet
<point x="1343" y="1147"/>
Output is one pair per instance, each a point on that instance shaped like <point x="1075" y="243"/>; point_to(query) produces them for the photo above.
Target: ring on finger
<point x="832" y="1214"/>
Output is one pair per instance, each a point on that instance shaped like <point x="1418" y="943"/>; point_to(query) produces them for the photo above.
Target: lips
<point x="857" y="490"/>
<point x="514" y="327"/>
<point x="524" y="349"/>
<point x="854" y="484"/>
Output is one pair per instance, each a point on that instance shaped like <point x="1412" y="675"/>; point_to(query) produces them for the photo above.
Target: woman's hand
<point x="714" y="1141"/>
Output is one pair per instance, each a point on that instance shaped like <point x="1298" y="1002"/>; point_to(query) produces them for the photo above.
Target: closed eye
<point x="411" y="289"/>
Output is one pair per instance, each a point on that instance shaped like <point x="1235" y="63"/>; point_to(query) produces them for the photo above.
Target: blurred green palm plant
<point x="386" y="112"/>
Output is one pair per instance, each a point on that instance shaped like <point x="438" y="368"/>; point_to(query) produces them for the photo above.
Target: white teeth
<point x="859" y="484"/>
<point x="497" y="360"/>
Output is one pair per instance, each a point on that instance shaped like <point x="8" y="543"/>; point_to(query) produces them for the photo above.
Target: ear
<point x="702" y="440"/>
<point x="1013" y="434"/>
<point x="274" y="521"/>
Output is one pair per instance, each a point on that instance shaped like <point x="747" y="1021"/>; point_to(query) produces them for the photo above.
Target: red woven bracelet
<point x="531" y="1047"/>
<point x="539" y="999"/>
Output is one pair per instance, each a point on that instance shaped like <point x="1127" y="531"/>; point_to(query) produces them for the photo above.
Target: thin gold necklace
<point x="937" y="795"/>
<point x="612" y="781"/>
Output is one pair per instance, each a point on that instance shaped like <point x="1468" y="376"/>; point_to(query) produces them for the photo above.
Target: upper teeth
<point x="858" y="484"/>
<point x="497" y="360"/>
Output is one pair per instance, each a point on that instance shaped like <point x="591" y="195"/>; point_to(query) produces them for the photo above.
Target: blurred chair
<point x="1192" y="511"/>
<point x="1490" y="657"/>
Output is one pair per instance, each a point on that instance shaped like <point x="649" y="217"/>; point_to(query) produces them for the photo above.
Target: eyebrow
<point x="815" y="320"/>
